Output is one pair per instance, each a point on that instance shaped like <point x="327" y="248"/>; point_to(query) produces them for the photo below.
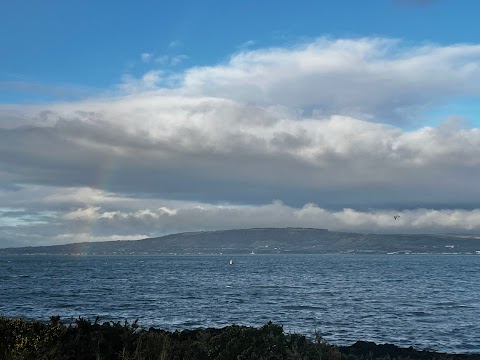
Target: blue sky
<point x="126" y="120"/>
<point x="71" y="49"/>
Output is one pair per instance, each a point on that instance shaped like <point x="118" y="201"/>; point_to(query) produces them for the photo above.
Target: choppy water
<point x="425" y="301"/>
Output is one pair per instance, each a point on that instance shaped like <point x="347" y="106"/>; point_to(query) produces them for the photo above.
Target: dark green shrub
<point x="86" y="340"/>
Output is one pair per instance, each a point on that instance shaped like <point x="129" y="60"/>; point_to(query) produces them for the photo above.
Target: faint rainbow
<point x="104" y="177"/>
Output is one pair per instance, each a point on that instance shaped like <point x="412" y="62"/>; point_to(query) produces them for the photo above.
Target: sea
<point x="424" y="301"/>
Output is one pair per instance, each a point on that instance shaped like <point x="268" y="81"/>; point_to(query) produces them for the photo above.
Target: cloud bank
<point x="330" y="133"/>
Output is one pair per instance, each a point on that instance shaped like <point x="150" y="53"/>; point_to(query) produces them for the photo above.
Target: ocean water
<point x="425" y="301"/>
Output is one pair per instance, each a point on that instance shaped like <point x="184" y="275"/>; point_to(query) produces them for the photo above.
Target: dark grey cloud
<point x="332" y="161"/>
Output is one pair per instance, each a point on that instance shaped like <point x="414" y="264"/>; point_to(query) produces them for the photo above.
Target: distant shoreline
<point x="268" y="241"/>
<point x="241" y="254"/>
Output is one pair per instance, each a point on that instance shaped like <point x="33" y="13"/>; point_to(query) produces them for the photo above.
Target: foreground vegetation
<point x="83" y="339"/>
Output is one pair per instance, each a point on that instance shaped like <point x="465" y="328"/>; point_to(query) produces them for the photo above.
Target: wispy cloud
<point x="148" y="81"/>
<point x="177" y="59"/>
<point x="171" y="60"/>
<point x="175" y="44"/>
<point x="247" y="44"/>
<point x="146" y="57"/>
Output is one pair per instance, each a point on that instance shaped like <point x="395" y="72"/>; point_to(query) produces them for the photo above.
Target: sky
<point x="135" y="119"/>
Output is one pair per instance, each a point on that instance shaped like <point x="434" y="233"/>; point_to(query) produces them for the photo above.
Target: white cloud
<point x="373" y="78"/>
<point x="148" y="81"/>
<point x="88" y="237"/>
<point x="86" y="214"/>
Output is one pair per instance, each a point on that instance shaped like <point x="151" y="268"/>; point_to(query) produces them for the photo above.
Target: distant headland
<point x="287" y="240"/>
